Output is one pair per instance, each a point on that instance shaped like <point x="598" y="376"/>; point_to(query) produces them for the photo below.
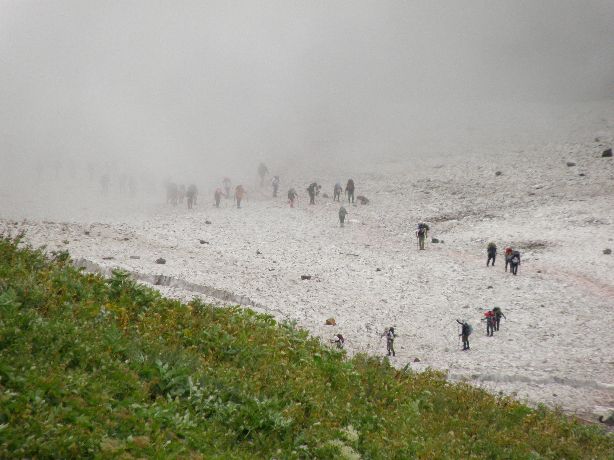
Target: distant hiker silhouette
<point x="313" y="190"/>
<point x="217" y="196"/>
<point x="349" y="190"/>
<point x="342" y="214"/>
<point x="466" y="331"/>
<point x="491" y="252"/>
<point x="390" y="336"/>
<point x="514" y="262"/>
<point x="498" y="314"/>
<point x="339" y="341"/>
<point x="227" y="185"/>
<point x="422" y="234"/>
<point x="508" y="256"/>
<point x="337" y="192"/>
<point x="292" y="197"/>
<point x="191" y="193"/>
<point x="240" y="193"/>
<point x="489" y="317"/>
<point x="275" y="184"/>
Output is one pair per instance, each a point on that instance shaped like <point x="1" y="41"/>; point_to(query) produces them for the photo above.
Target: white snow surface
<point x="555" y="346"/>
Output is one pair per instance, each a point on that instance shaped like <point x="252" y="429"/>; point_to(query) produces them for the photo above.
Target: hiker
<point x="312" y="190"/>
<point x="508" y="256"/>
<point x="292" y="196"/>
<point x="489" y="317"/>
<point x="342" y="214"/>
<point x="337" y="192"/>
<point x="339" y="341"/>
<point x="390" y="336"/>
<point x="192" y="193"/>
<point x="262" y="171"/>
<point x="227" y="184"/>
<point x="349" y="190"/>
<point x="498" y="314"/>
<point x="217" y="196"/>
<point x="466" y="331"/>
<point x="491" y="251"/>
<point x="514" y="262"/>
<point x="275" y="184"/>
<point x="422" y="233"/>
<point x="240" y="193"/>
<point x="171" y="193"/>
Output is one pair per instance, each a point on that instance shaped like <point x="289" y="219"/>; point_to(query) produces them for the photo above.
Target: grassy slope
<point x="109" y="368"/>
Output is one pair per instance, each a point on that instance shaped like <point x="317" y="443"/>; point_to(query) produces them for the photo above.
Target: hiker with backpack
<point x="489" y="317"/>
<point x="275" y="184"/>
<point x="312" y="190"/>
<point x="498" y="314"/>
<point x="240" y="193"/>
<point x="422" y="234"/>
<point x="390" y="336"/>
<point x="339" y="341"/>
<point x="342" y="213"/>
<point x="349" y="190"/>
<point x="217" y="196"/>
<point x="491" y="251"/>
<point x="466" y="331"/>
<point x="508" y="256"/>
<point x="514" y="262"/>
<point x="337" y="192"/>
<point x="292" y="196"/>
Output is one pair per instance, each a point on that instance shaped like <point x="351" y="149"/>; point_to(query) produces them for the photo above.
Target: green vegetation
<point x="107" y="368"/>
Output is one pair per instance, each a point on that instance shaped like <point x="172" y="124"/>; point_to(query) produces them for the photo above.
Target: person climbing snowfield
<point x="466" y="331"/>
<point x="292" y="196"/>
<point x="312" y="190"/>
<point x="275" y="184"/>
<point x="491" y="251"/>
<point x="342" y="213"/>
<point x="192" y="194"/>
<point x="489" y="317"/>
<point x="508" y="256"/>
<point x="339" y="341"/>
<point x="422" y="234"/>
<point x="349" y="190"/>
<point x="240" y="193"/>
<point x="498" y="314"/>
<point x="390" y="336"/>
<point x="217" y="196"/>
<point x="262" y="172"/>
<point x="514" y="262"/>
<point x="337" y="192"/>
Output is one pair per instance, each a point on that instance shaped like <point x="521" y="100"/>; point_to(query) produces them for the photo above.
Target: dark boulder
<point x="161" y="261"/>
<point x="606" y="153"/>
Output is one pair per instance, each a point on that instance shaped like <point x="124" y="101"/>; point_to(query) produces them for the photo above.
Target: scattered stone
<point x="498" y="173"/>
<point x="570" y="164"/>
<point x="258" y="253"/>
<point x="539" y="271"/>
<point x="161" y="261"/>
<point x="126" y="238"/>
<point x="305" y="277"/>
<point x="86" y="232"/>
<point x="203" y="242"/>
<point x="581" y="174"/>
<point x="434" y="240"/>
<point x="331" y="322"/>
<point x="208" y="222"/>
<point x="489" y="287"/>
<point x="416" y="360"/>
<point x="108" y="258"/>
<point x="378" y="269"/>
<point x="606" y="153"/>
<point x="65" y="241"/>
<point x="607" y="251"/>
<point x="135" y="257"/>
<point x="362" y="199"/>
<point x="609" y="420"/>
<point x="325" y="195"/>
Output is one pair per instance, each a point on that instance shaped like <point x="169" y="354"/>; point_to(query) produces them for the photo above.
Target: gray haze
<point x="205" y="89"/>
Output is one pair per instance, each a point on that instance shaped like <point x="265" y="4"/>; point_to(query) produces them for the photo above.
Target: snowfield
<point x="555" y="346"/>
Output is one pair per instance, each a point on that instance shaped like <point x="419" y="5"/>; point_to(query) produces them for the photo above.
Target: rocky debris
<point x="208" y="222"/>
<point x="135" y="257"/>
<point x="581" y="174"/>
<point x="498" y="173"/>
<point x="108" y="258"/>
<point x="607" y="251"/>
<point x="434" y="240"/>
<point x="203" y="242"/>
<point x="606" y="153"/>
<point x="416" y="360"/>
<point x="570" y="164"/>
<point x="378" y="269"/>
<point x="86" y="232"/>
<point x="65" y="241"/>
<point x="609" y="420"/>
<point x="258" y="253"/>
<point x="331" y="322"/>
<point x="489" y="287"/>
<point x="325" y="195"/>
<point x="161" y="261"/>
<point x="305" y="277"/>
<point x="362" y="199"/>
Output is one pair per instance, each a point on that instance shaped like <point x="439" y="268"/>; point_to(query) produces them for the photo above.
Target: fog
<point x="195" y="91"/>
